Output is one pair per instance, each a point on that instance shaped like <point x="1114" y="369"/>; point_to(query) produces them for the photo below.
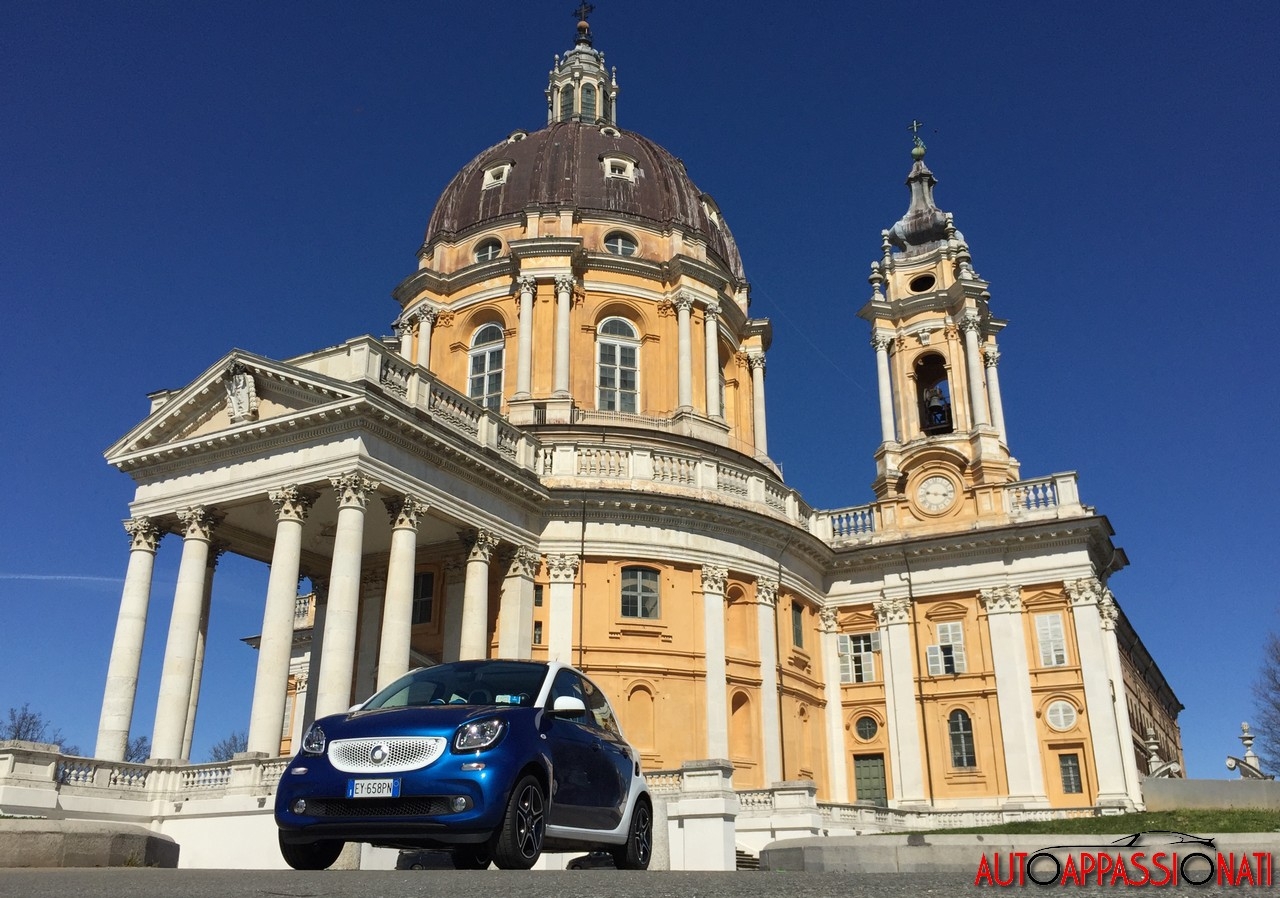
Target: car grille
<point x="389" y="755"/>
<point x="424" y="806"/>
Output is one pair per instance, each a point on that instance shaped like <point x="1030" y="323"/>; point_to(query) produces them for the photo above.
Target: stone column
<point x="1108" y="613"/>
<point x="713" y="582"/>
<point x="404" y="330"/>
<point x="767" y="644"/>
<point x="202" y="637"/>
<point x="266" y="718"/>
<point x="474" y="641"/>
<point x="756" y="361"/>
<point x="894" y="618"/>
<point x="515" y="614"/>
<point x="184" y="628"/>
<point x="564" y="299"/>
<point x="1100" y="693"/>
<point x="837" y="753"/>
<point x="887" y="431"/>
<point x="126" y="648"/>
<point x="455" y="572"/>
<point x="333" y="689"/>
<point x="527" y="287"/>
<point x="970" y="325"/>
<point x="563" y="571"/>
<point x="683" y="304"/>
<point x="426" y="320"/>
<point x="373" y="586"/>
<point x="397" y="608"/>
<point x="1021" y="742"/>
<point x="991" y="356"/>
<point x="712" y="328"/>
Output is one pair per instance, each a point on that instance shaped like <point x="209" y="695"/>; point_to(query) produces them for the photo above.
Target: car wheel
<point x="518" y="842"/>
<point x="635" y="854"/>
<point x="310" y="855"/>
<point x="471" y="857"/>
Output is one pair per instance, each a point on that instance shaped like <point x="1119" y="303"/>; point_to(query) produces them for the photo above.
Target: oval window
<point x="921" y="283"/>
<point x="488" y="251"/>
<point x="1061" y="715"/>
<point x="620" y="244"/>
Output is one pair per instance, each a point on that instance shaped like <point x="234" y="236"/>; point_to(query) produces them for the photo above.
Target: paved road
<point x="145" y="883"/>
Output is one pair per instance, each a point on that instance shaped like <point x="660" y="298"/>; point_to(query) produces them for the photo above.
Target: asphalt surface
<point x="150" y="883"/>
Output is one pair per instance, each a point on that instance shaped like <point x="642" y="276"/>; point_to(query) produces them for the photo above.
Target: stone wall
<point x="1170" y="794"/>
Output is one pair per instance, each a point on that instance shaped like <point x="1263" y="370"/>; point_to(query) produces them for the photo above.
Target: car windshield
<point x="465" y="683"/>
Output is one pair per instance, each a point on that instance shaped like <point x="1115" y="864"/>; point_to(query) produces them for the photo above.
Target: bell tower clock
<point x="942" y="424"/>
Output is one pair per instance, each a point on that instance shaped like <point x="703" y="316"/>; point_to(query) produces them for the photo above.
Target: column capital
<point x="827" y="617"/>
<point x="144" y="535"/>
<point x="713" y="579"/>
<point x="426" y="314"/>
<point x="293" y="503"/>
<point x="455" y="570"/>
<point x="892" y="611"/>
<point x="403" y="326"/>
<point x="711" y="309"/>
<point x="480" y="544"/>
<point x="353" y="489"/>
<point x="767" y="591"/>
<point x="970" y="322"/>
<point x="198" y="522"/>
<point x="682" y="302"/>
<point x="881" y="343"/>
<point x="564" y="283"/>
<point x="1001" y="599"/>
<point x="1108" y="610"/>
<point x="521" y="561"/>
<point x="373" y="582"/>
<point x="562" y="568"/>
<point x="526" y="283"/>
<point x="404" y="511"/>
<point x="756" y="361"/>
<point x="1088" y="591"/>
<point x="319" y="586"/>
<point x="990" y="356"/>
<point x="216" y="551"/>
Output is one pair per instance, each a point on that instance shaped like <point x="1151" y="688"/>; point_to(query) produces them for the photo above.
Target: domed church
<point x="562" y="453"/>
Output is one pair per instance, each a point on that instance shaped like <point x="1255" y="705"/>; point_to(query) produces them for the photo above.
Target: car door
<point x="610" y="801"/>
<point x="584" y="781"/>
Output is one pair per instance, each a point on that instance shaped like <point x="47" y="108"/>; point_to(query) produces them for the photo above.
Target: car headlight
<point x="313" y="742"/>
<point x="479" y="735"/>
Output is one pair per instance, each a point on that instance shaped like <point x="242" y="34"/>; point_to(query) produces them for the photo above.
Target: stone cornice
<point x="435" y="283"/>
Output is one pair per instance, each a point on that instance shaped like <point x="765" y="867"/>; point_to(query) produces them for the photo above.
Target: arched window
<point x="488" y="250"/>
<point x="640" y="592"/>
<point x="588" y="102"/>
<point x="620" y="244"/>
<point x="485" y="381"/>
<point x="933" y="394"/>
<point x="961" y="730"/>
<point x="566" y="103"/>
<point x="617" y="366"/>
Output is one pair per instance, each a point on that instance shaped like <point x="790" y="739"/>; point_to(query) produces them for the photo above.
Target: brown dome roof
<point x="560" y="166"/>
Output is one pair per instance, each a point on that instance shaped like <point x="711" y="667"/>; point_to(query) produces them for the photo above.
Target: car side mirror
<point x="568" y="706"/>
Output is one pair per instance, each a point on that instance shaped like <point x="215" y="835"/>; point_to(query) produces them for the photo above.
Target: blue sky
<point x="179" y="179"/>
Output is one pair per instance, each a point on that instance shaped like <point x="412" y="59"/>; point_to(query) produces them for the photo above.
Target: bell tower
<point x="943" y="434"/>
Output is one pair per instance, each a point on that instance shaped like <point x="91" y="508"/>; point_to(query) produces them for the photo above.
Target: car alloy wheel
<point x="518" y="842"/>
<point x="635" y="854"/>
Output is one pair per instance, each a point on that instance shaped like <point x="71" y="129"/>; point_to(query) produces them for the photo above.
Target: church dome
<point x="568" y="165"/>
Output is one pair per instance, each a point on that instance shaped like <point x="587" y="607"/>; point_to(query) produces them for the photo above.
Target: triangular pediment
<point x="239" y="391"/>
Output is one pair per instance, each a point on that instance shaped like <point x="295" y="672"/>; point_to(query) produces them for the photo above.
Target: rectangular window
<point x="1069" y="765"/>
<point x="797" y="625"/>
<point x="639" y="592"/>
<point x="537" y="596"/>
<point x="424" y="593"/>
<point x="947" y="657"/>
<point x="1053" y="642"/>
<point x="857" y="658"/>
<point x="537" y="632"/>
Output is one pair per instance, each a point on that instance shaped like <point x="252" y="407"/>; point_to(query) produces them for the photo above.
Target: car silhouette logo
<point x="378" y="754"/>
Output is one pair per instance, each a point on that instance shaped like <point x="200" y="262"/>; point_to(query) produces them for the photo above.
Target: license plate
<point x="373" y="788"/>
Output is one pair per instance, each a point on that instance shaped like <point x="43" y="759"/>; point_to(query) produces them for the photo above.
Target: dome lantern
<point x="580" y="88"/>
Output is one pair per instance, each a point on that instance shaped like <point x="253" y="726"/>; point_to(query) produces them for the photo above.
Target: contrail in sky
<point x="62" y="577"/>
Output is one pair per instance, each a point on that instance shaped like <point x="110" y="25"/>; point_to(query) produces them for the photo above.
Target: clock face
<point x="935" y="493"/>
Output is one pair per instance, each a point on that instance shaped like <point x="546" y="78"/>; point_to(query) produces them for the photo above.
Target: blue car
<point x="495" y="760"/>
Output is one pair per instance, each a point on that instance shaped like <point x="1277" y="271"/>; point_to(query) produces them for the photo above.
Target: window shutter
<point x="957" y="656"/>
<point x="868" y="667"/>
<point x="934" y="654"/>
<point x="842" y="645"/>
<point x="875" y="640"/>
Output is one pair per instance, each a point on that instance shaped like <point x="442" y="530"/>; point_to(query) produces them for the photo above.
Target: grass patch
<point x="1186" y="821"/>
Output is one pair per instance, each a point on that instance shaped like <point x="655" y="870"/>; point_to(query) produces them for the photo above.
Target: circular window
<point x="620" y="244"/>
<point x="921" y="283"/>
<point x="1061" y="715"/>
<point x="866" y="728"/>
<point x="488" y="250"/>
